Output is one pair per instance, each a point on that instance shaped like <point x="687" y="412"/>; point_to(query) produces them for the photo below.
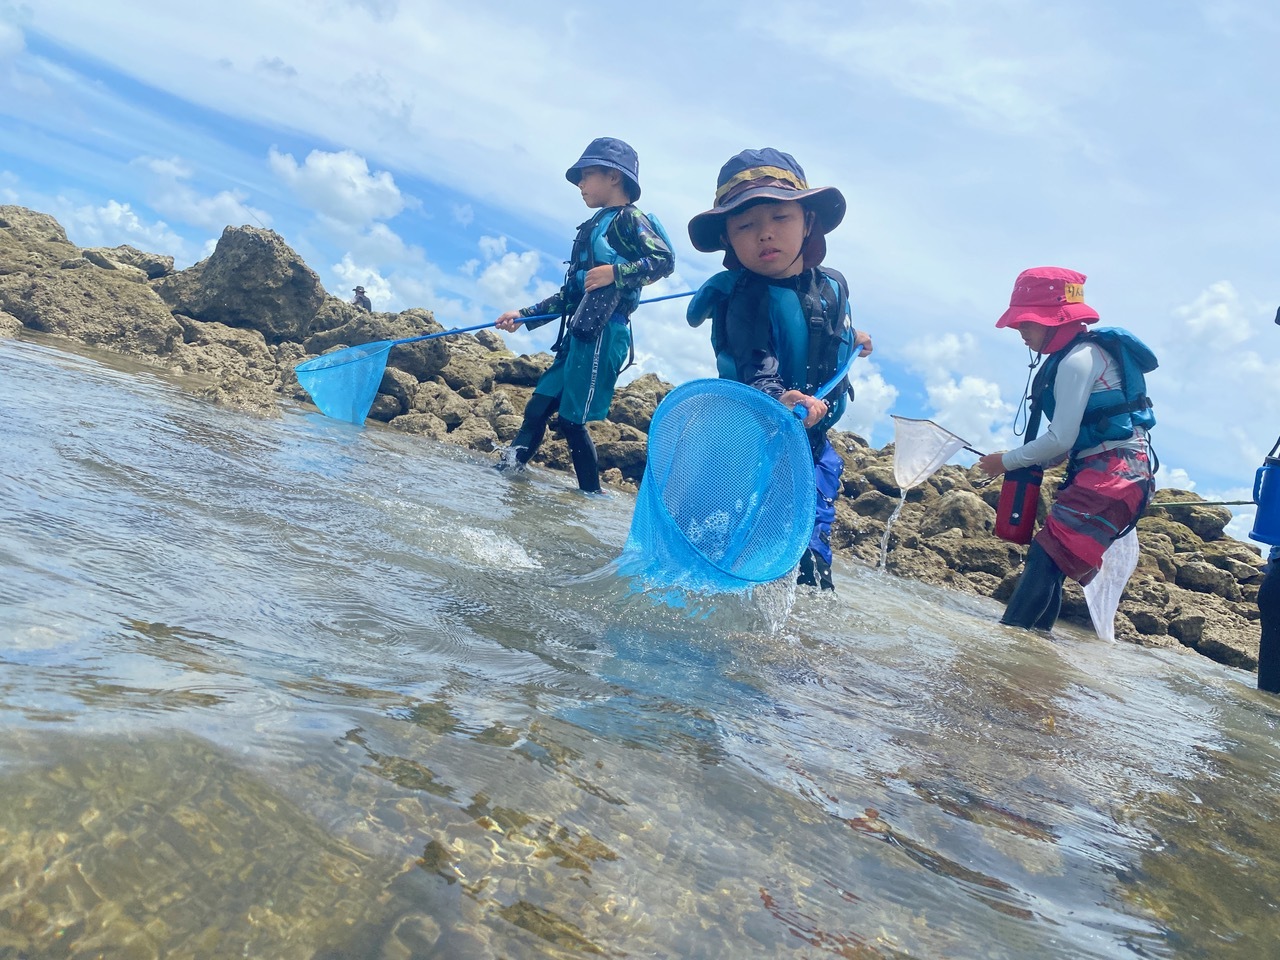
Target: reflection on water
<point x="291" y="689"/>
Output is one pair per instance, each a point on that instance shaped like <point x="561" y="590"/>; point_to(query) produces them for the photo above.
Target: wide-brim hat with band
<point x="766" y="174"/>
<point x="614" y="154"/>
<point x="1049" y="296"/>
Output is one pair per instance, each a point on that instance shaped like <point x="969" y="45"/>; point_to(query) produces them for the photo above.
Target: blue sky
<point x="419" y="149"/>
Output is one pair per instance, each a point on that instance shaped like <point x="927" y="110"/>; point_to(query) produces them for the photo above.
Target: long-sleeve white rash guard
<point x="1086" y="369"/>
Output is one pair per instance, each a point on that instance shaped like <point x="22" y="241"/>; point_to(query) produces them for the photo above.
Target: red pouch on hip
<point x="1019" y="502"/>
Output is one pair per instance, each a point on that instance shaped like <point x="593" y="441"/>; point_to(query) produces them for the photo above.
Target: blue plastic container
<point x="1266" y="494"/>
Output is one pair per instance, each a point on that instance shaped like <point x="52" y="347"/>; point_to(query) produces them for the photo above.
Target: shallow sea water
<point x="287" y="688"/>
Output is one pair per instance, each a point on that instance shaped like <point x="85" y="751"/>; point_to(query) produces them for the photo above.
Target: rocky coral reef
<point x="236" y="324"/>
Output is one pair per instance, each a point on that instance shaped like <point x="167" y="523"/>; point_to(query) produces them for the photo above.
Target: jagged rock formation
<point x="236" y="324"/>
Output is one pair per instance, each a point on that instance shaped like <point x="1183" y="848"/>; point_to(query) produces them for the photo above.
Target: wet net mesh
<point x="920" y="447"/>
<point x="1102" y="593"/>
<point x="727" y="498"/>
<point x="343" y="383"/>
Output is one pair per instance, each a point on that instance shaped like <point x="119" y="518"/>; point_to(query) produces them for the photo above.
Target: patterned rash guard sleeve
<point x="647" y="256"/>
<point x="553" y="305"/>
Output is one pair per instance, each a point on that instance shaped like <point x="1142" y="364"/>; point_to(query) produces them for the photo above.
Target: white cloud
<point x="171" y="168"/>
<point x="339" y="185"/>
<point x="1174" y="478"/>
<point x="380" y="244"/>
<point x="171" y="195"/>
<point x="972" y="408"/>
<point x="223" y="209"/>
<point x="1217" y="319"/>
<point x="493" y="247"/>
<point x="510" y="280"/>
<point x="464" y="214"/>
<point x="112" y="224"/>
<point x="938" y="358"/>
<point x="874" y="397"/>
<point x="376" y="287"/>
<point x="988" y="61"/>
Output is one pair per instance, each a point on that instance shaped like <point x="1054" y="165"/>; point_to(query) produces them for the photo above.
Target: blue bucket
<point x="1266" y="494"/>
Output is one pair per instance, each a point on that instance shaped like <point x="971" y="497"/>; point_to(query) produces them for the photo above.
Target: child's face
<point x="598" y="186"/>
<point x="767" y="238"/>
<point x="1035" y="335"/>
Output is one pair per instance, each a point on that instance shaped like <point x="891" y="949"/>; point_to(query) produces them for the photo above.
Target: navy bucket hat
<point x="766" y="174"/>
<point x="614" y="154"/>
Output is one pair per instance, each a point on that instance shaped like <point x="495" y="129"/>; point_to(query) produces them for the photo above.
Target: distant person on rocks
<point x="615" y="253"/>
<point x="1092" y="388"/>
<point x="360" y="300"/>
<point x="780" y="322"/>
<point x="1269" y="608"/>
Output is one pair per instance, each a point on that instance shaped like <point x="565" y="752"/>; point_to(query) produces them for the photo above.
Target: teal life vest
<point x="810" y="329"/>
<point x="1110" y="415"/>
<point x="591" y="248"/>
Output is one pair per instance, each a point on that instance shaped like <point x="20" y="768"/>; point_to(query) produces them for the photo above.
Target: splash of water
<point x="884" y="541"/>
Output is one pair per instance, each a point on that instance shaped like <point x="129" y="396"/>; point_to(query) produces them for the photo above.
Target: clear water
<point x="289" y="688"/>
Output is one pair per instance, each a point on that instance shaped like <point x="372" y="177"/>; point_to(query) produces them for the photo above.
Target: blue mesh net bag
<point x="727" y="497"/>
<point x="343" y="384"/>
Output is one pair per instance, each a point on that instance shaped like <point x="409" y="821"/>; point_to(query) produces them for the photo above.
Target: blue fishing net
<point x="727" y="497"/>
<point x="343" y="383"/>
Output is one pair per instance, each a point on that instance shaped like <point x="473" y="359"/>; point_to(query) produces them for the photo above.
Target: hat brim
<point x="706" y="230"/>
<point x="574" y="174"/>
<point x="1054" y="316"/>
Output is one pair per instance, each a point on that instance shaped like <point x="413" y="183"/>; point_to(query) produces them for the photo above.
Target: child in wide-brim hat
<point x="756" y="176"/>
<point x="774" y="305"/>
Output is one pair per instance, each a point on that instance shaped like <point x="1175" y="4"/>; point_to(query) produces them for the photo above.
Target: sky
<point x="419" y="148"/>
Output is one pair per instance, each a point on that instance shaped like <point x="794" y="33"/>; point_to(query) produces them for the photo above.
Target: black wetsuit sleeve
<point x="760" y="369"/>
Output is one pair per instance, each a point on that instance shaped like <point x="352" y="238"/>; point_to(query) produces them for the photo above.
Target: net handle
<point x="540" y="316"/>
<point x="801" y="411"/>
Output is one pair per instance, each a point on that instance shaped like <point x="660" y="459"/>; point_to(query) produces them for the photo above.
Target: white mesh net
<point x="1102" y="593"/>
<point x="920" y="447"/>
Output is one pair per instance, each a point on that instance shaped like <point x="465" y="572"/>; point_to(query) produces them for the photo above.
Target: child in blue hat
<point x="780" y="322"/>
<point x="615" y="253"/>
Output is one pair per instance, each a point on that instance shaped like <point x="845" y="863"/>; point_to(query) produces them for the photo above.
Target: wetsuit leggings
<point x="581" y="448"/>
<point x="1269" y="645"/>
<point x="1037" y="598"/>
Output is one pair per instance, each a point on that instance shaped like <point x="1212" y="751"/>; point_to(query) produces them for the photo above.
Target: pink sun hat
<point x="1050" y="296"/>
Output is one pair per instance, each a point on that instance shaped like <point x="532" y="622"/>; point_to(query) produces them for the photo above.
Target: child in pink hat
<point x="1092" y="387"/>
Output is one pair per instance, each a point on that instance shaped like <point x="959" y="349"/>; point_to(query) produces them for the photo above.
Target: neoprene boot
<point x="1037" y="598"/>
<point x="814" y="571"/>
<point x="512" y="459"/>
<point x="586" y="466"/>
